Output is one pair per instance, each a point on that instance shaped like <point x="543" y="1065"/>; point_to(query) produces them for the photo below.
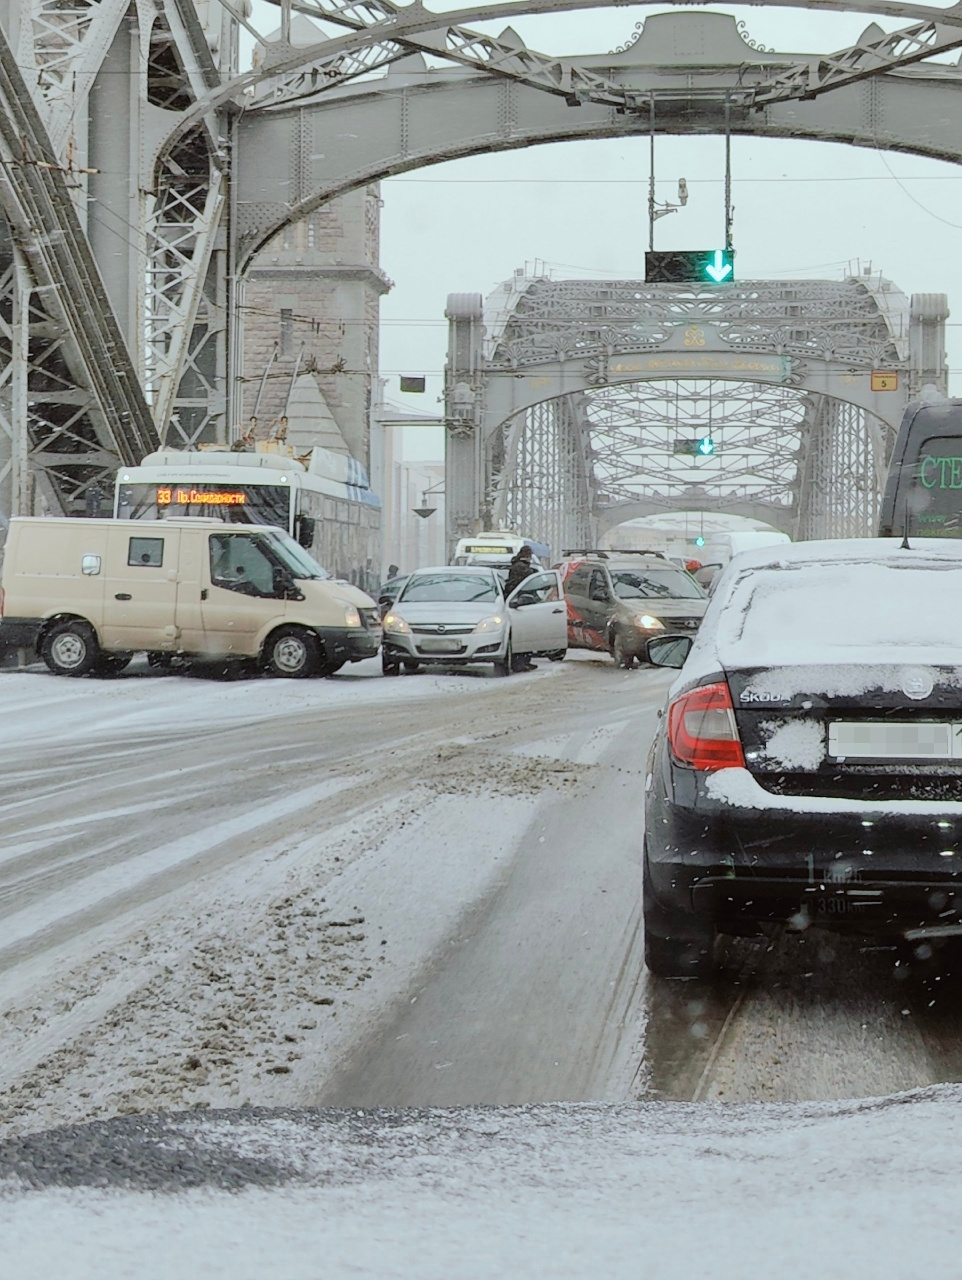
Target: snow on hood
<point x="860" y="612"/>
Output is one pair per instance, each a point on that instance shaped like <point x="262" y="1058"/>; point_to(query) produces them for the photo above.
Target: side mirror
<point x="523" y="598"/>
<point x="285" y="587"/>
<point x="305" y="531"/>
<point x="668" y="651"/>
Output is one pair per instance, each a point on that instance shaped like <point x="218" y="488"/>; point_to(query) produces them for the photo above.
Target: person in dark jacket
<point x="521" y="568"/>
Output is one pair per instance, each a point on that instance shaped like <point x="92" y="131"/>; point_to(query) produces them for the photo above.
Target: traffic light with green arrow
<point x="673" y="266"/>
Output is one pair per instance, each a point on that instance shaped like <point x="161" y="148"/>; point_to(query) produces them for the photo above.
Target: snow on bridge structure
<point x="141" y="168"/>
<point x="566" y="400"/>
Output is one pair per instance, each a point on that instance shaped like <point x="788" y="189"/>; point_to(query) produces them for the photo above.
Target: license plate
<point x="894" y="741"/>
<point x="440" y="646"/>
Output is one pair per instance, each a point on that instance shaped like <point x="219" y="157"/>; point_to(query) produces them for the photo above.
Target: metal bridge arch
<point x="117" y="279"/>
<point x="698" y="68"/>
<point x="547" y="368"/>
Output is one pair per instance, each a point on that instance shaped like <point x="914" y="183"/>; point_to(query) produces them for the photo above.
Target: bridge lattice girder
<point x="148" y="86"/>
<point x="777" y="373"/>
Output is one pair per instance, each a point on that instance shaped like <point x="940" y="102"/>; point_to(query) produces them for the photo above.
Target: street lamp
<point x="424" y="510"/>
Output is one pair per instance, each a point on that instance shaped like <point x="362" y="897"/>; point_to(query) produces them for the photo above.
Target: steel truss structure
<point x="140" y="170"/>
<point x="569" y="401"/>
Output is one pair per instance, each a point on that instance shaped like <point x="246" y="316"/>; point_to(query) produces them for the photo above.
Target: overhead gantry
<point x="132" y="146"/>
<point x="568" y="401"/>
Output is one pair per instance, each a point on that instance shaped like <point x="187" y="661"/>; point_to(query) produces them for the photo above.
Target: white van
<point x="87" y="594"/>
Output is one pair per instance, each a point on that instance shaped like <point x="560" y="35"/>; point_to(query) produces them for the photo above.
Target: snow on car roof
<point x="856" y="611"/>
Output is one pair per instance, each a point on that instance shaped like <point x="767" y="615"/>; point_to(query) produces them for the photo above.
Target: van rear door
<point x="140" y="603"/>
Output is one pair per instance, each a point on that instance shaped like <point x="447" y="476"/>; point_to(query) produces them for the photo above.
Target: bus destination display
<point x="171" y="496"/>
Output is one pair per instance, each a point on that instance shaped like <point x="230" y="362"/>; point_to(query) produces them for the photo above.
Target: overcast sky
<point x="802" y="209"/>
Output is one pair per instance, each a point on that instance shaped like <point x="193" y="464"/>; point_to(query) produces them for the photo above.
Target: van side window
<point x="237" y="563"/>
<point x="148" y="552"/>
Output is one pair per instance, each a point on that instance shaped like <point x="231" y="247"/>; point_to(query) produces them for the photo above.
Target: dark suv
<point x="618" y="600"/>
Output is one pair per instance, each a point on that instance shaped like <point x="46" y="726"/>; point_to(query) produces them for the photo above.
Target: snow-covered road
<point x="210" y="893"/>
<point x="421" y="891"/>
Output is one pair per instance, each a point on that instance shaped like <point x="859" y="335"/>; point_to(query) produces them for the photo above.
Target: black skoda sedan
<point x="808" y="766"/>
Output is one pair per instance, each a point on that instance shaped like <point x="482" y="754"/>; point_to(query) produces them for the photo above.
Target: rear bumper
<point x="20" y="633"/>
<point x="872" y="868"/>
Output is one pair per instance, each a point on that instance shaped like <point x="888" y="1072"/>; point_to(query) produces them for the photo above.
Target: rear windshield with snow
<point x="833" y="612"/>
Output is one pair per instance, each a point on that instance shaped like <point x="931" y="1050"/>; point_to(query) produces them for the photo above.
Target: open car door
<point x="539" y="622"/>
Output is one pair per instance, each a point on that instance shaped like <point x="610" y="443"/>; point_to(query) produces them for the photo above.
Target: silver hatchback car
<point x="456" y="615"/>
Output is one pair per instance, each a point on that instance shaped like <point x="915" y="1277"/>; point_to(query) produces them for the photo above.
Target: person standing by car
<point x="521" y="568"/>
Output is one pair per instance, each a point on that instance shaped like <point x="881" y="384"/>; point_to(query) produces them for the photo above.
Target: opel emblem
<point x="917" y="683"/>
<point x="443" y="628"/>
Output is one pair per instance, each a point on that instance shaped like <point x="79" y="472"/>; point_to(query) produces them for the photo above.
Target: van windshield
<point x="300" y="563"/>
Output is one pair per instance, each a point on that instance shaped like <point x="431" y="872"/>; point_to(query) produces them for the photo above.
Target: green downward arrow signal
<point x="719" y="269"/>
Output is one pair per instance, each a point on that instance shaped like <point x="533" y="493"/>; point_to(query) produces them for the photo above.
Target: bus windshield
<point x="233" y="503"/>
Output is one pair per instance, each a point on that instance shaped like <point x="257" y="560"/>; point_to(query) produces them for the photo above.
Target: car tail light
<point x="702" y="731"/>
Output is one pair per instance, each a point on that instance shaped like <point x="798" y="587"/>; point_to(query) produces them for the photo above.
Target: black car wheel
<point x="504" y="666"/>
<point x="411" y="666"/>
<point x="677" y="944"/>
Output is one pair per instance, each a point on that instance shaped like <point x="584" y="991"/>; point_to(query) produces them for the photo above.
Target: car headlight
<point x="494" y="623"/>
<point x="351" y="616"/>
<point x="648" y="622"/>
<point x="396" y="625"/>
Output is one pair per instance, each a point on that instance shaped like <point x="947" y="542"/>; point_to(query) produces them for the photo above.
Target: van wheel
<point x="390" y="666"/>
<point x="412" y="666"/>
<point x="558" y="655"/>
<point x="293" y="653"/>
<point x="71" y="649"/>
<point x="111" y="664"/>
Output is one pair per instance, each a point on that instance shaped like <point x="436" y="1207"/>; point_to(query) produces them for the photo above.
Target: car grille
<point x="683" y="624"/>
<point x="865" y="786"/>
<point x="441" y="629"/>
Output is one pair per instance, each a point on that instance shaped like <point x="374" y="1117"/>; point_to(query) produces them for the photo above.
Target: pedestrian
<point x="521" y="568"/>
<point x="392" y="571"/>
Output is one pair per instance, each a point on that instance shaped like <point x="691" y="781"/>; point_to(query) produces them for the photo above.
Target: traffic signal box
<point x="704" y="266"/>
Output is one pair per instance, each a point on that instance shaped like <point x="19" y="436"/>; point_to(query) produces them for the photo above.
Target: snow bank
<point x="809" y="1192"/>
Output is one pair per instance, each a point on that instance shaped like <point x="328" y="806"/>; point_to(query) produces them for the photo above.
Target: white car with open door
<point x="455" y="615"/>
